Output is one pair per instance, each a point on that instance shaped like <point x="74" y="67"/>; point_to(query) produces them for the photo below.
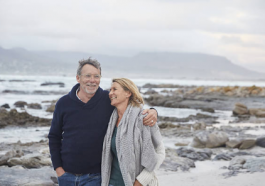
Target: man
<point x="79" y="124"/>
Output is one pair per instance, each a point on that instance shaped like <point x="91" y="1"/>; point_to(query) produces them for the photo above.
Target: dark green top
<point x="115" y="176"/>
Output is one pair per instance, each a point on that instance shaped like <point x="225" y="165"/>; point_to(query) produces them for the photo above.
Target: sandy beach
<point x="209" y="173"/>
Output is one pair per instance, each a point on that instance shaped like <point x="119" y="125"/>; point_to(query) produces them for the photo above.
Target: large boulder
<point x="34" y="106"/>
<point x="247" y="144"/>
<point x="255" y="164"/>
<point x="252" y="164"/>
<point x="233" y="143"/>
<point x="240" y="109"/>
<point x="237" y="163"/>
<point x="20" y="104"/>
<point x="260" y="113"/>
<point x="253" y="111"/>
<point x="261" y="142"/>
<point x="205" y="139"/>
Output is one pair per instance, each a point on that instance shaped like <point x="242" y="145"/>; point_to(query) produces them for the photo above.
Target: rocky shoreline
<point x="196" y="138"/>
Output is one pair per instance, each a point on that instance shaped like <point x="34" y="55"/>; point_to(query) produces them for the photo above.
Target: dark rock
<point x="34" y="106"/>
<point x="51" y="108"/>
<point x="49" y="101"/>
<point x="204" y="116"/>
<point x="21" y="118"/>
<point x="20" y="103"/>
<point x="52" y="83"/>
<point x="174" y="104"/>
<point x="167" y="125"/>
<point x="173" y="119"/>
<point x="196" y="155"/>
<point x="230" y="173"/>
<point x="261" y="142"/>
<point x="166" y="101"/>
<point x="182" y="144"/>
<point x="207" y="110"/>
<point x="14" y="92"/>
<point x="225" y="157"/>
<point x="173" y="162"/>
<point x="3" y="113"/>
<point x="150" y="91"/>
<point x="5" y="106"/>
<point x="229" y="156"/>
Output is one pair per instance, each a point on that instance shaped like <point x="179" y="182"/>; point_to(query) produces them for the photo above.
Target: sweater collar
<point x="95" y="98"/>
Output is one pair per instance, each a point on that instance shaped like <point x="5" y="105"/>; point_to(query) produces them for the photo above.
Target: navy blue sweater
<point x="77" y="132"/>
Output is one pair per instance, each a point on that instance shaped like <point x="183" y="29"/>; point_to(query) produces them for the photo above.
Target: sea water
<point x="28" y="85"/>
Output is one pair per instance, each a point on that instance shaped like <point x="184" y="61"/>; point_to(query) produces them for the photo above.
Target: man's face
<point x="89" y="81"/>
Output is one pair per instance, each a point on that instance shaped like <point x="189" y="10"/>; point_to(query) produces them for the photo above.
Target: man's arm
<point x="151" y="118"/>
<point x="55" y="140"/>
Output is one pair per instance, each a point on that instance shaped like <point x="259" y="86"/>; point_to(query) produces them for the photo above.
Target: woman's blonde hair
<point x="127" y="85"/>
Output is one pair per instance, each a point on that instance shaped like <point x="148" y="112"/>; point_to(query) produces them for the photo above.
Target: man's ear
<point x="78" y="78"/>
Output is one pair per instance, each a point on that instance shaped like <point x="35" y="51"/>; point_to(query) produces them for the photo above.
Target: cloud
<point x="233" y="29"/>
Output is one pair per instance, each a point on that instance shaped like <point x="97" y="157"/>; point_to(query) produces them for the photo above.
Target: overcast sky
<point x="231" y="28"/>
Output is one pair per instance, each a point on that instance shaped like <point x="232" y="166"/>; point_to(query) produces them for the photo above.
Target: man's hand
<point x="59" y="171"/>
<point x="137" y="183"/>
<point x="151" y="118"/>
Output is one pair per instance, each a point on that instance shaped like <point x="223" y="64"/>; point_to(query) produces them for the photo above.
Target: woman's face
<point x="118" y="96"/>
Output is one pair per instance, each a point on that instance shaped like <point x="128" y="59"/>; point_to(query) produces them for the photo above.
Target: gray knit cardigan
<point x="139" y="148"/>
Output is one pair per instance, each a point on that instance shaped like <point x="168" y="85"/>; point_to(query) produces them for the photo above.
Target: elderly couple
<point x="104" y="138"/>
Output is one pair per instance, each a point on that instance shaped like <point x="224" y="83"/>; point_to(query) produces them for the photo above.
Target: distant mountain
<point x="143" y="65"/>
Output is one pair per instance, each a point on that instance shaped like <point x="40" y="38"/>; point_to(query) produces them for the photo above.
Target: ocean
<point x="29" y="89"/>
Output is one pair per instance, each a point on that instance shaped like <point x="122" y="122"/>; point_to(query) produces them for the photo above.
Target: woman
<point x="131" y="150"/>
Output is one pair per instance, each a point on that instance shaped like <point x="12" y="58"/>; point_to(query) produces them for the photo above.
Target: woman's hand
<point x="137" y="183"/>
<point x="151" y="118"/>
